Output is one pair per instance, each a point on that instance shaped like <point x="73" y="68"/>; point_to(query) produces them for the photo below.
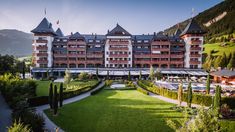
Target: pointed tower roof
<point x="77" y="35"/>
<point x="44" y="27"/>
<point x="192" y="28"/>
<point x="118" y="31"/>
<point x="59" y="33"/>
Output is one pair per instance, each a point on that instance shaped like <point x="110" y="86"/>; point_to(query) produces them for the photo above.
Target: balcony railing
<point x="118" y="55"/>
<point x="160" y="62"/>
<point x="76" y="49"/>
<point x="42" y="54"/>
<point x="177" y="55"/>
<point x="194" y="62"/>
<point x="41" y="41"/>
<point x="195" y="48"/>
<point x="142" y="56"/>
<point x="77" y="55"/>
<point x="118" y="48"/>
<point x="94" y="61"/>
<point x="142" y="61"/>
<point x="42" y="61"/>
<point x="160" y="56"/>
<point x="76" y="42"/>
<point x="41" y="48"/>
<point x="60" y="55"/>
<point x="177" y="62"/>
<point x="94" y="55"/>
<point x="195" y="55"/>
<point x="196" y="42"/>
<point x="118" y="61"/>
<point x="60" y="61"/>
<point x="161" y="49"/>
<point x="118" y="42"/>
<point x="161" y="43"/>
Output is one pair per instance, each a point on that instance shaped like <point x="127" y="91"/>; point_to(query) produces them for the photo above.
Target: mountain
<point x="14" y="42"/>
<point x="217" y="21"/>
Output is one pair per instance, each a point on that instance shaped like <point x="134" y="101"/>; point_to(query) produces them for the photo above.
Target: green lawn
<point x="43" y="86"/>
<point x="216" y="47"/>
<point x="116" y="111"/>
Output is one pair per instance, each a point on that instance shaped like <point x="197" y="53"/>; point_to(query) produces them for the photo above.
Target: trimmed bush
<point x="143" y="91"/>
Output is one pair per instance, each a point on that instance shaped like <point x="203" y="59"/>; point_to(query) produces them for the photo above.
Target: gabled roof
<point x="59" y="33"/>
<point x="192" y="28"/>
<point x="77" y="35"/>
<point x="118" y="31"/>
<point x="44" y="27"/>
<point x="160" y="36"/>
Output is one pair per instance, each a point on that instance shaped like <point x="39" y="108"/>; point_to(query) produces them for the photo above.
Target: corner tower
<point x="193" y="38"/>
<point x="43" y="36"/>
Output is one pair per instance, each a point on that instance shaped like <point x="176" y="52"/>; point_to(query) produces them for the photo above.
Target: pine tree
<point x="208" y="84"/>
<point x="190" y="95"/>
<point x="67" y="77"/>
<point x="231" y="63"/>
<point x="217" y="62"/>
<point x="50" y="99"/>
<point x="61" y="94"/>
<point x="55" y="100"/>
<point x="180" y="93"/>
<point x="97" y="73"/>
<point x="129" y="76"/>
<point x="140" y="75"/>
<point x="23" y="70"/>
<point x="217" y="99"/>
<point x="223" y="60"/>
<point x="151" y="73"/>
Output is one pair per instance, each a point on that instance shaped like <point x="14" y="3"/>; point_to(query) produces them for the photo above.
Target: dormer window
<point x="139" y="41"/>
<point x="97" y="41"/>
<point x="90" y="40"/>
<point x="146" y="41"/>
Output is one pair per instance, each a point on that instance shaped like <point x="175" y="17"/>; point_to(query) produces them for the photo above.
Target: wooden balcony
<point x="142" y="56"/>
<point x="76" y="42"/>
<point x="76" y="49"/>
<point x="177" y="62"/>
<point x="177" y="55"/>
<point x="42" y="61"/>
<point x="160" y="62"/>
<point x="94" y="55"/>
<point x="118" y="55"/>
<point x="194" y="62"/>
<point x="161" y="43"/>
<point x="94" y="61"/>
<point x="41" y="48"/>
<point x="195" y="55"/>
<point x="160" y="56"/>
<point x="60" y="55"/>
<point x="118" y="61"/>
<point x="142" y="61"/>
<point x="118" y="49"/>
<point x="196" y="42"/>
<point x="60" y="61"/>
<point x="118" y="42"/>
<point x="41" y="41"/>
<point x="77" y="55"/>
<point x="196" y="48"/>
<point x="160" y="49"/>
<point x="42" y="54"/>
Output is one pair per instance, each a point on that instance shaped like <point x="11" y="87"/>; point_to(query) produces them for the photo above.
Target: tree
<point x="18" y="126"/>
<point x="151" y="73"/>
<point x="61" y="94"/>
<point x="50" y="99"/>
<point x="67" y="77"/>
<point x="107" y="75"/>
<point x="23" y="69"/>
<point x="180" y="93"/>
<point x="83" y="76"/>
<point x="231" y="63"/>
<point x="158" y="74"/>
<point x="140" y="75"/>
<point x="190" y="96"/>
<point x="129" y="75"/>
<point x="208" y="84"/>
<point x="55" y="100"/>
<point x="97" y="73"/>
<point x="217" y="62"/>
<point x="223" y="60"/>
<point x="217" y="99"/>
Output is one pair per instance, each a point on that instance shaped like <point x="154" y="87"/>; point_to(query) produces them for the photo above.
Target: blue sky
<point x="97" y="16"/>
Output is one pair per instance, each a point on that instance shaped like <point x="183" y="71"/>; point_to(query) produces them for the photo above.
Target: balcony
<point x="177" y="55"/>
<point x="60" y="61"/>
<point x="118" y="61"/>
<point x="41" y="48"/>
<point x="177" y="62"/>
<point x="196" y="48"/>
<point x="160" y="55"/>
<point x="42" y="61"/>
<point x="160" y="49"/>
<point x="41" y="41"/>
<point x="42" y="54"/>
<point x="160" y="43"/>
<point x="118" y="48"/>
<point x="94" y="61"/>
<point x="118" y="55"/>
<point x="195" y="62"/>
<point x="195" y="55"/>
<point x="60" y="55"/>
<point x="142" y="61"/>
<point x="94" y="55"/>
<point x="118" y="42"/>
<point x="76" y="49"/>
<point x="160" y="62"/>
<point x="77" y="42"/>
<point x="142" y="56"/>
<point x="195" y="42"/>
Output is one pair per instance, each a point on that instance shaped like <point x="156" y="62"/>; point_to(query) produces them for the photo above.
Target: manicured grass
<point x="216" y="47"/>
<point x="43" y="86"/>
<point x="116" y="111"/>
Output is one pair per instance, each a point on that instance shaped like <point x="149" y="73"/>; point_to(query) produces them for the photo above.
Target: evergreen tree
<point x="208" y="84"/>
<point x="97" y="73"/>
<point x="223" y="60"/>
<point x="50" y="99"/>
<point x="107" y="75"/>
<point x="67" y="77"/>
<point x="129" y="76"/>
<point x="217" y="99"/>
<point x="140" y="75"/>
<point x="151" y="73"/>
<point x="217" y="62"/>
<point x="23" y="69"/>
<point x="61" y="94"/>
<point x="180" y="93"/>
<point x="158" y="75"/>
<point x="55" y="100"/>
<point x="190" y="95"/>
<point x="231" y="63"/>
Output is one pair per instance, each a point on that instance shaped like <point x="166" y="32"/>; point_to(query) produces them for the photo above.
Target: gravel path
<point x="49" y="125"/>
<point x="5" y="115"/>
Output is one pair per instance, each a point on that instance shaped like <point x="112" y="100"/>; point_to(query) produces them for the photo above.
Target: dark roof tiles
<point x="44" y="27"/>
<point x="192" y="28"/>
<point x="118" y="31"/>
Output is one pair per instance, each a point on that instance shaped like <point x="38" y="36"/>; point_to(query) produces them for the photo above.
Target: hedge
<point x="143" y="91"/>
<point x="200" y="99"/>
<point x="42" y="100"/>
